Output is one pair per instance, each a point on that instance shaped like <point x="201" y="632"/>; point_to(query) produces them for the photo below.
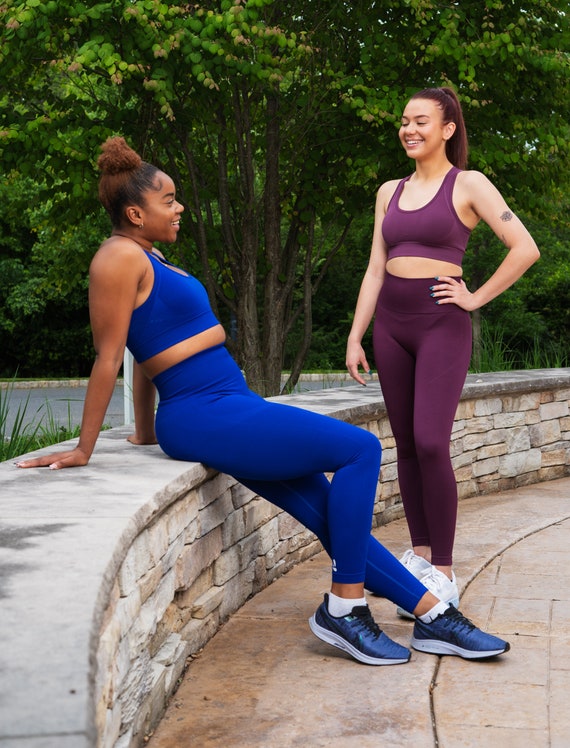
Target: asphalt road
<point x="59" y="406"/>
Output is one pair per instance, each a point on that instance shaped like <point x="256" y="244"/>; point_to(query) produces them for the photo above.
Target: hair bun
<point x="117" y="157"/>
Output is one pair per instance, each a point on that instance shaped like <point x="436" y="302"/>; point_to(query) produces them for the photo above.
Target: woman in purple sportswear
<point x="422" y="327"/>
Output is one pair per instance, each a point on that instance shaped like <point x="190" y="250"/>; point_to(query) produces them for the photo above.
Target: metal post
<point x="128" y="363"/>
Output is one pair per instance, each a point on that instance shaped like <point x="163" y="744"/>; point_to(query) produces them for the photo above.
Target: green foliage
<point x="277" y="123"/>
<point x="44" y="324"/>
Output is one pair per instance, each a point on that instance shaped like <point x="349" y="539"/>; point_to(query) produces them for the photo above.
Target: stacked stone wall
<point x="217" y="544"/>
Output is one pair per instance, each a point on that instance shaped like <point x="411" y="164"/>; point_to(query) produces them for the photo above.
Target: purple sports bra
<point x="433" y="231"/>
<point x="176" y="309"/>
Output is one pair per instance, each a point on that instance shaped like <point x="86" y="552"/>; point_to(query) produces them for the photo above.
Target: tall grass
<point x="498" y="354"/>
<point x="27" y="435"/>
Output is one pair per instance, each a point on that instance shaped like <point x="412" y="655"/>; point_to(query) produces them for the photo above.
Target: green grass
<point x="25" y="435"/>
<point x="497" y="354"/>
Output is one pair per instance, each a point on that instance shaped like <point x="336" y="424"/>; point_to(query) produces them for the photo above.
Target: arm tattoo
<point x="506" y="216"/>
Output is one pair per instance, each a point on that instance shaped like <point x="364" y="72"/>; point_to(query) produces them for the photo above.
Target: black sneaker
<point x="453" y="634"/>
<point x="359" y="635"/>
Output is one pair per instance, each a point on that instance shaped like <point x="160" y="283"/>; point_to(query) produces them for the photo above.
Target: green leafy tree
<point x="276" y="120"/>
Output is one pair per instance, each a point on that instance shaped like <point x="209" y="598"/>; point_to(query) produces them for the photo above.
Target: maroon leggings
<point x="422" y="352"/>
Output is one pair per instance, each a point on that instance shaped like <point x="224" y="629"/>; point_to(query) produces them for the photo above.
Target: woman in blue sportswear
<point x="206" y="413"/>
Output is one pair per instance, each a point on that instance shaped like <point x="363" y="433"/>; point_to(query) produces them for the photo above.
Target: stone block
<point x="466" y="488"/>
<point x="137" y="686"/>
<point x="288" y="526"/>
<point x="214" y="488"/>
<point x="208" y="602"/>
<point x="215" y="513"/>
<point x="524" y="402"/>
<point x="556" y="409"/>
<point x="491" y="450"/>
<point x="128" y="609"/>
<point x="485" y="467"/>
<point x="465" y="459"/>
<point x="112" y="726"/>
<point x="241" y="495"/>
<point x="167" y="654"/>
<point x="465" y="410"/>
<point x="517" y="439"/>
<point x="236" y="592"/>
<point x="257" y="513"/>
<point x="233" y="528"/>
<point x="158" y="539"/>
<point x="226" y="566"/>
<point x="276" y="555"/>
<point x="508" y="420"/>
<point x="198" y="632"/>
<point x="248" y="549"/>
<point x="136" y="563"/>
<point x="173" y="553"/>
<point x="544" y="433"/>
<point x="557" y="453"/>
<point x="520" y="462"/>
<point x="196" y="557"/>
<point x="473" y="442"/>
<point x="389" y="472"/>
<point x="488" y="407"/>
<point x="268" y="536"/>
<point x="480" y="425"/>
<point x="178" y="517"/>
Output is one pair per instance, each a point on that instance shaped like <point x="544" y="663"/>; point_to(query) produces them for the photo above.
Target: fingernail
<point x="369" y="372"/>
<point x="431" y="294"/>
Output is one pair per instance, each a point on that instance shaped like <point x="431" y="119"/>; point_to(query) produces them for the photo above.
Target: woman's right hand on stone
<point x="73" y="458"/>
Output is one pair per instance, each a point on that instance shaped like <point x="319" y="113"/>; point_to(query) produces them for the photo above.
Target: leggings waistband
<point x="410" y="296"/>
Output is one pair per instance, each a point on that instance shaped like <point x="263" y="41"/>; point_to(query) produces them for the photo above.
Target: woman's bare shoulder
<point x="117" y="251"/>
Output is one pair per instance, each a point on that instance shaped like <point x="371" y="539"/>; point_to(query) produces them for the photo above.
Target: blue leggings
<point x="422" y="354"/>
<point x="207" y="414"/>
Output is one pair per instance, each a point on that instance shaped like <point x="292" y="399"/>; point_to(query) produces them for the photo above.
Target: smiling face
<point x="423" y="132"/>
<point x="159" y="216"/>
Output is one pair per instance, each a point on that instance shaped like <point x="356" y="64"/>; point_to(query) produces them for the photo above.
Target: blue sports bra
<point x="176" y="309"/>
<point x="433" y="231"/>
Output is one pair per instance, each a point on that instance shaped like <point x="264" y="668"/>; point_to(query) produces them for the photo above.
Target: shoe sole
<point x="435" y="646"/>
<point x="337" y="641"/>
<point x="404" y="614"/>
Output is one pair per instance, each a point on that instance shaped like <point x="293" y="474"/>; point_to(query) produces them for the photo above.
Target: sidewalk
<point x="264" y="681"/>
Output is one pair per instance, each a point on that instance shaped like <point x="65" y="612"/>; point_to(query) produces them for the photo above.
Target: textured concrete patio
<point x="264" y="680"/>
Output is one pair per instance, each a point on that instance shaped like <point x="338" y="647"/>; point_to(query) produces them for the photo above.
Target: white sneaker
<point x="441" y="586"/>
<point x="417" y="566"/>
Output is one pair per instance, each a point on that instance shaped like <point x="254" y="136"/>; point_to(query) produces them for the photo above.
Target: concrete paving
<point x="264" y="680"/>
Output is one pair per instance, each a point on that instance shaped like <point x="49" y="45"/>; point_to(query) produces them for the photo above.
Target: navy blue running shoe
<point x="359" y="635"/>
<point x="453" y="634"/>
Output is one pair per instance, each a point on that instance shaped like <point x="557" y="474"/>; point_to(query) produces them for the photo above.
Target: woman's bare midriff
<point x="183" y="350"/>
<point x="421" y="267"/>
